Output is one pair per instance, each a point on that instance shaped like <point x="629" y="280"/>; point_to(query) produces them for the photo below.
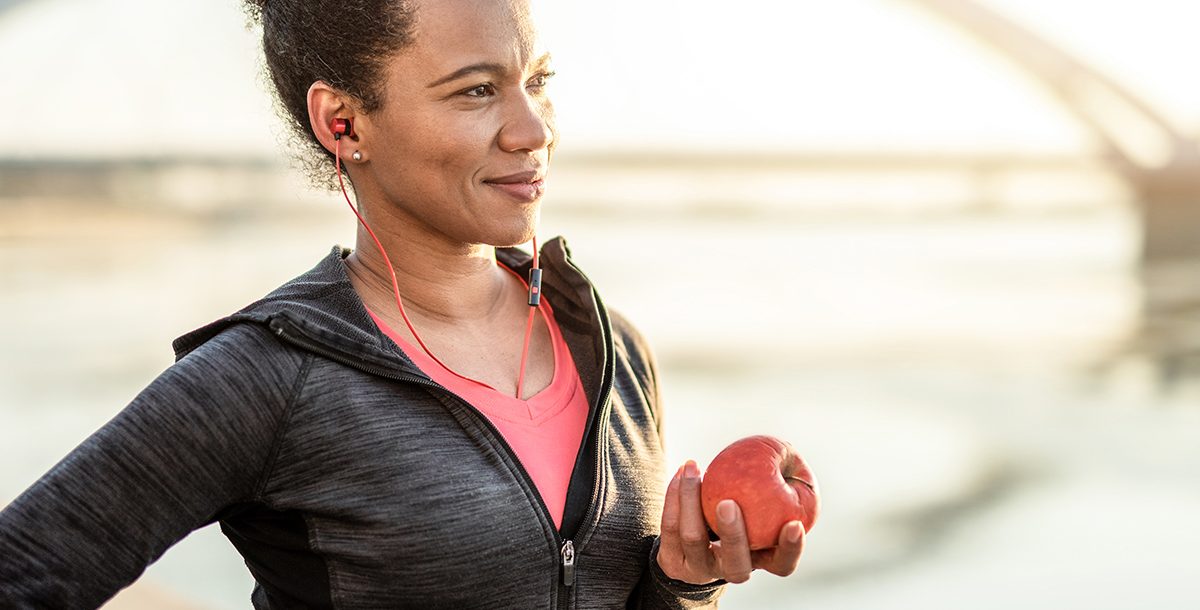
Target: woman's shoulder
<point x="635" y="356"/>
<point x="240" y="360"/>
<point x="627" y="337"/>
<point x="236" y="342"/>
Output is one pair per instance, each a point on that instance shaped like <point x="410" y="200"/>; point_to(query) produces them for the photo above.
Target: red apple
<point x="770" y="483"/>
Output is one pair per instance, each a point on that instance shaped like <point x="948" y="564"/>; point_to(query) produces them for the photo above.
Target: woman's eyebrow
<point x="483" y="66"/>
<point x="488" y="67"/>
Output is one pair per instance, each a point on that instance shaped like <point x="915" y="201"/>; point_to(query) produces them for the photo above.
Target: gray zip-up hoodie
<point x="348" y="479"/>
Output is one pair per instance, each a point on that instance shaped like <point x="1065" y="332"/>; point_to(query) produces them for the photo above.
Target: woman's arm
<point x="686" y="570"/>
<point x="197" y="439"/>
<point x="656" y="590"/>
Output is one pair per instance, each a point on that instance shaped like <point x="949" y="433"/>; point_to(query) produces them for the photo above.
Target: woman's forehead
<point x="450" y="32"/>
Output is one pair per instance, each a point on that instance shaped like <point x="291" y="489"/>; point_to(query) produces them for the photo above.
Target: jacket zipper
<point x="566" y="548"/>
<point x="603" y="410"/>
<point x="568" y="563"/>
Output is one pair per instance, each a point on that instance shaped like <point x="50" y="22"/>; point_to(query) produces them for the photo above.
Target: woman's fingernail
<point x="793" y="534"/>
<point x="727" y="511"/>
<point x="690" y="470"/>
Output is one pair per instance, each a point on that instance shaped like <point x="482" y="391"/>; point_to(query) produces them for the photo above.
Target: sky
<point x="848" y="76"/>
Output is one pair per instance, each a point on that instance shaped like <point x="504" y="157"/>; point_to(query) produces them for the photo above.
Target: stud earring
<point x="357" y="156"/>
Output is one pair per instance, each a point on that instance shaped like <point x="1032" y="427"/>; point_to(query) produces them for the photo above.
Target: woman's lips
<point x="524" y="191"/>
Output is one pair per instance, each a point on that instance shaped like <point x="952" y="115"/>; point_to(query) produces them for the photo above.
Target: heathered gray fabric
<point x="315" y="442"/>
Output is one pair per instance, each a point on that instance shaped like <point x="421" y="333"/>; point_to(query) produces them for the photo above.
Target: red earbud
<point x="341" y="127"/>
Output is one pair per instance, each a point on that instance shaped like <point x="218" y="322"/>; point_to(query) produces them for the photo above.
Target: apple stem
<point x="798" y="479"/>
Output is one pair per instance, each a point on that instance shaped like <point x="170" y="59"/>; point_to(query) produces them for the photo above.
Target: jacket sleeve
<point x="660" y="592"/>
<point x="197" y="439"/>
<point x="656" y="590"/>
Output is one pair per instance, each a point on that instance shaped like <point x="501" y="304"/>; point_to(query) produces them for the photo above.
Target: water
<point x="957" y="382"/>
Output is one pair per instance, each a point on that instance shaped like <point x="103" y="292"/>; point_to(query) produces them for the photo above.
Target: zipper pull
<point x="568" y="563"/>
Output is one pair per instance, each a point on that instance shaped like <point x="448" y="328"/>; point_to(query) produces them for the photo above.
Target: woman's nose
<point x="530" y="127"/>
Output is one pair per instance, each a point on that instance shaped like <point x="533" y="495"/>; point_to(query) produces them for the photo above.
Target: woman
<point x="424" y="439"/>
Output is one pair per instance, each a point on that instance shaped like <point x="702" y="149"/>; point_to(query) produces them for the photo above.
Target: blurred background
<point x="947" y="248"/>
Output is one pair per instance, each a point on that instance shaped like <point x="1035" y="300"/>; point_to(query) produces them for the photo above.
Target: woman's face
<point x="462" y="141"/>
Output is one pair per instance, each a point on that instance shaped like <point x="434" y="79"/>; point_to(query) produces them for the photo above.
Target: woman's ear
<point x="324" y="105"/>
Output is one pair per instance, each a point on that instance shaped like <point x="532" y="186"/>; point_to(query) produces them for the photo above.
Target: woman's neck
<point x="436" y="283"/>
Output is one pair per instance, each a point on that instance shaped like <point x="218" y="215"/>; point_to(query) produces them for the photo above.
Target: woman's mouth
<point x="525" y="187"/>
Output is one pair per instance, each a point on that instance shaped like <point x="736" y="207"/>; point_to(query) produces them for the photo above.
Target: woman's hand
<point x="685" y="552"/>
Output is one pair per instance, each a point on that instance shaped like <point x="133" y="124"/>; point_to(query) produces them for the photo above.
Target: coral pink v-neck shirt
<point x="544" y="430"/>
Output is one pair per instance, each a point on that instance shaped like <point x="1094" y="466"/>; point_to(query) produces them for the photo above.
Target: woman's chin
<point x="523" y="238"/>
<point x="520" y="232"/>
<point x="499" y="229"/>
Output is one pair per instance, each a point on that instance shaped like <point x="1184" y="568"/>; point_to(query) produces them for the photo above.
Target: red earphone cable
<point x="400" y="303"/>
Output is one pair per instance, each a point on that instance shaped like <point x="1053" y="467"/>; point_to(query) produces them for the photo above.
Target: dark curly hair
<point x="305" y="41"/>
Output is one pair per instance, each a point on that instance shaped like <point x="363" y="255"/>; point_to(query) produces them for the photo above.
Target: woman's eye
<point x="540" y="79"/>
<point x="483" y="90"/>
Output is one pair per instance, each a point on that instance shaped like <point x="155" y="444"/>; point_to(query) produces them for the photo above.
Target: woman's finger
<point x="782" y="559"/>
<point x="692" y="530"/>
<point x="735" y="563"/>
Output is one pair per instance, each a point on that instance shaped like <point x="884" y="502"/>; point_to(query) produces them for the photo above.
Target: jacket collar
<point x="321" y="312"/>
